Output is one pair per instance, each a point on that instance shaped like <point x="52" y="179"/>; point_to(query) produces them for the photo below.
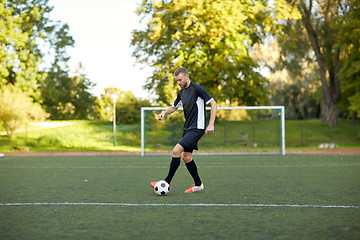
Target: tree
<point x="349" y="35"/>
<point x="65" y="96"/>
<point x="127" y="106"/>
<point x="211" y="39"/>
<point x="68" y="97"/>
<point x="321" y="20"/>
<point x="27" y="36"/>
<point x="16" y="108"/>
<point x="293" y="79"/>
<point x="18" y="58"/>
<point x="82" y="99"/>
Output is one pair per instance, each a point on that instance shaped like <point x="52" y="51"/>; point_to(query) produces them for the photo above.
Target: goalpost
<point x="238" y="130"/>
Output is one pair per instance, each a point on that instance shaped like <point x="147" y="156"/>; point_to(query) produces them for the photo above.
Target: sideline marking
<point x="180" y="205"/>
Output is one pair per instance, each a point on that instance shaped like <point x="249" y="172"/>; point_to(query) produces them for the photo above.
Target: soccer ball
<point x="162" y="188"/>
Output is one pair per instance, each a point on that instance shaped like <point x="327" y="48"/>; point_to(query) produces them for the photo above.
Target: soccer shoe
<point x="194" y="188"/>
<point x="153" y="184"/>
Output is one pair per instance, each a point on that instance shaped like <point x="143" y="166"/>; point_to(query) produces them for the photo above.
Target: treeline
<point x="300" y="54"/>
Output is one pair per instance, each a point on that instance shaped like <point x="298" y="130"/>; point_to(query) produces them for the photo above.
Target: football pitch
<point x="245" y="197"/>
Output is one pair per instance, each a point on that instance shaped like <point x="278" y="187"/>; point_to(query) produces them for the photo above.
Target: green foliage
<point x="102" y="110"/>
<point x="355" y="103"/>
<point x="128" y="107"/>
<point x="293" y="81"/>
<point x="349" y="35"/>
<point x="317" y="38"/>
<point x="300" y="102"/>
<point x="68" y="97"/>
<point x="32" y="37"/>
<point x="211" y="39"/>
<point x="27" y="36"/>
<point x="19" y="58"/>
<point x="16" y="109"/>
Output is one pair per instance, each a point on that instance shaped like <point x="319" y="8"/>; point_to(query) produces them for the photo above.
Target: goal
<point x="238" y="130"/>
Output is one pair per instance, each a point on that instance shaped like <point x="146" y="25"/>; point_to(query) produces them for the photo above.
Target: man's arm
<point x="210" y="128"/>
<point x="166" y="112"/>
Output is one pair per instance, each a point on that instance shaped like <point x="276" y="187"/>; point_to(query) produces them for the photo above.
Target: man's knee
<point x="178" y="149"/>
<point x="187" y="157"/>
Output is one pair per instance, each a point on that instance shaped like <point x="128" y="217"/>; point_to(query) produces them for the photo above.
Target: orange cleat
<point x="153" y="184"/>
<point x="194" y="188"/>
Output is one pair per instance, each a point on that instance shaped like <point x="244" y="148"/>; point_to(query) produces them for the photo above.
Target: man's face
<point x="182" y="80"/>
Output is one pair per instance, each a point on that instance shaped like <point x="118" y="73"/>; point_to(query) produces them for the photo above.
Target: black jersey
<point x="193" y="99"/>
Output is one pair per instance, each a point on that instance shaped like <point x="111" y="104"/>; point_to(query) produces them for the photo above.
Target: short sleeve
<point x="204" y="94"/>
<point x="177" y="103"/>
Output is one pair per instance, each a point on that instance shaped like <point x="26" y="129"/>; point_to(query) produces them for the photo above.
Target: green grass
<point x="265" y="133"/>
<point x="294" y="179"/>
<point x="98" y="136"/>
<point x="76" y="136"/>
<point x="312" y="132"/>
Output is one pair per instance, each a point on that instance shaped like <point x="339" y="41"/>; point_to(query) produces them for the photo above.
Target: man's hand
<point x="161" y="116"/>
<point x="168" y="111"/>
<point x="209" y="129"/>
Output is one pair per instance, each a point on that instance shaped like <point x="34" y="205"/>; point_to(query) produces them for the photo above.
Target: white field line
<point x="178" y="205"/>
<point x="166" y="166"/>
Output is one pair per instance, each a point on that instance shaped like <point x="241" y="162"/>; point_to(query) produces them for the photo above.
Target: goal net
<point x="238" y="130"/>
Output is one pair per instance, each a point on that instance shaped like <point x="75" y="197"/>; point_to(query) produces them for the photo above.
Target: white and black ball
<point x="162" y="188"/>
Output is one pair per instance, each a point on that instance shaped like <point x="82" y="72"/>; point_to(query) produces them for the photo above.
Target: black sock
<point x="191" y="167"/>
<point x="174" y="165"/>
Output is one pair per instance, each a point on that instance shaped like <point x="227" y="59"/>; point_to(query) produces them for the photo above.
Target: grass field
<point x="245" y="197"/>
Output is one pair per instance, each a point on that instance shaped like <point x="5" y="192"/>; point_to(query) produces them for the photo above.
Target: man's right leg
<point x="174" y="164"/>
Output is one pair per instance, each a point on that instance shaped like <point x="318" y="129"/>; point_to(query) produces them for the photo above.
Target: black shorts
<point x="190" y="139"/>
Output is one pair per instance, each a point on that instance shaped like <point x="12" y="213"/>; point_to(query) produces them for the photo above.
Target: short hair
<point x="179" y="70"/>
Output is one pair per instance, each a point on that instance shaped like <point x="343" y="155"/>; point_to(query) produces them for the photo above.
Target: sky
<point x="102" y="33"/>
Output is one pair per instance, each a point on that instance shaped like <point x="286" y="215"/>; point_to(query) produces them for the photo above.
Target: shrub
<point x="16" y="108"/>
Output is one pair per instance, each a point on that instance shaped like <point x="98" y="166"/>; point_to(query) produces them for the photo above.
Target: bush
<point x="16" y="108"/>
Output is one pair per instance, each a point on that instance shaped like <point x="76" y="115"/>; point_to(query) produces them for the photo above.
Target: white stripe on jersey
<point x="178" y="105"/>
<point x="210" y="100"/>
<point x="201" y="114"/>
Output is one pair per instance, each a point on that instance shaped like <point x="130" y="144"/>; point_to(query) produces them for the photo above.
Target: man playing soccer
<point x="193" y="97"/>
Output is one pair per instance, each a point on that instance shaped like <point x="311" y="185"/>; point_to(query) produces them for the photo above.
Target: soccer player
<point x="193" y="97"/>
